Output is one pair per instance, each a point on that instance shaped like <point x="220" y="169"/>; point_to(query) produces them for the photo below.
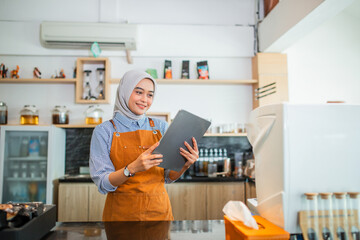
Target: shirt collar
<point x="127" y="122"/>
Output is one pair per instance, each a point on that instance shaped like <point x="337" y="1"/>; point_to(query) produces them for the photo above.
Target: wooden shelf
<point x="75" y="125"/>
<point x="94" y="125"/>
<point x="38" y="80"/>
<point x="196" y="81"/>
<point x="206" y="134"/>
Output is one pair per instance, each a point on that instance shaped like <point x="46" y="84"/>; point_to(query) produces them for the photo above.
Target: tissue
<point x="237" y="210"/>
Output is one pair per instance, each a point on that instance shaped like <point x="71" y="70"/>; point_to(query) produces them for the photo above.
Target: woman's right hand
<point x="146" y="160"/>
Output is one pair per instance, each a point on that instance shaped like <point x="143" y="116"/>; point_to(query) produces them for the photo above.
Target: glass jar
<point x="29" y="115"/>
<point x="94" y="115"/>
<point x="354" y="213"/>
<point x="3" y="113"/>
<point x="60" y="115"/>
<point x="327" y="216"/>
<point x="312" y="223"/>
<point x="340" y="206"/>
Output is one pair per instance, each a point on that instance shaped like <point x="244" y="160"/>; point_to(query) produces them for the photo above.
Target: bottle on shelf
<point x="200" y="167"/>
<point x="225" y="153"/>
<point x="220" y="161"/>
<point x="34" y="146"/>
<point x="43" y="146"/>
<point x="100" y="91"/>
<point x="212" y="166"/>
<point x="100" y="88"/>
<point x="227" y="163"/>
<point x="87" y="91"/>
<point x="196" y="164"/>
<point x="216" y="156"/>
<point x="24" y="170"/>
<point x="24" y="147"/>
<point x="205" y="162"/>
<point x="86" y="87"/>
<point x="239" y="156"/>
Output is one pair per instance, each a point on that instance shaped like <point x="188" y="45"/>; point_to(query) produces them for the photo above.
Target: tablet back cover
<point x="184" y="126"/>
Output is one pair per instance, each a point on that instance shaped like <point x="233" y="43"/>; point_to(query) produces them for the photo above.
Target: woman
<point x="122" y="163"/>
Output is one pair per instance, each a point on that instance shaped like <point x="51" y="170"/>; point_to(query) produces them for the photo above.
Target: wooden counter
<point x="81" y="201"/>
<point x="194" y="230"/>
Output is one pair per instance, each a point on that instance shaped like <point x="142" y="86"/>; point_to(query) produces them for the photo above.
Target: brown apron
<point x="142" y="197"/>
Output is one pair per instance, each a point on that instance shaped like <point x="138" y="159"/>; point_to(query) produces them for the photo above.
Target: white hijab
<point x="125" y="89"/>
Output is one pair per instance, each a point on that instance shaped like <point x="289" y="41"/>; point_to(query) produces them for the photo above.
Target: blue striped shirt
<point x="100" y="163"/>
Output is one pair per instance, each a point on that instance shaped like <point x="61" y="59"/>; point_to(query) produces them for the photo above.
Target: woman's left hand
<point x="192" y="154"/>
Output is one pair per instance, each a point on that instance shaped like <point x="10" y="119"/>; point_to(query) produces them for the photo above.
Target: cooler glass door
<point x="24" y="165"/>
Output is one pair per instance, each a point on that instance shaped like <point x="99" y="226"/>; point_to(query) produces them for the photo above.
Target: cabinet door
<point x="188" y="200"/>
<point x="270" y="69"/>
<point x="73" y="202"/>
<point x="218" y="194"/>
<point x="250" y="190"/>
<point x="96" y="204"/>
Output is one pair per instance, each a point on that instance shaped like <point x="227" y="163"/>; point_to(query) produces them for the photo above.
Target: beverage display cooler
<point x="31" y="158"/>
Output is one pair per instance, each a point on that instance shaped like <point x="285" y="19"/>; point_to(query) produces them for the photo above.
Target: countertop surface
<point x="86" y="178"/>
<point x="189" y="229"/>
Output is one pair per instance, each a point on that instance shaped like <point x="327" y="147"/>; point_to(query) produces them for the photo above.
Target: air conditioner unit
<point x="77" y="35"/>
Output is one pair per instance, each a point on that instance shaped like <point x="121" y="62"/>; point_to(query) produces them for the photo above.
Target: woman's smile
<point x="141" y="105"/>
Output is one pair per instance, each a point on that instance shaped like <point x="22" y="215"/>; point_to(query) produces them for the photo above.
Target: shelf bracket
<point x="128" y="57"/>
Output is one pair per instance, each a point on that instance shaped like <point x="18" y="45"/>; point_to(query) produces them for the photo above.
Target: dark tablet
<point x="184" y="126"/>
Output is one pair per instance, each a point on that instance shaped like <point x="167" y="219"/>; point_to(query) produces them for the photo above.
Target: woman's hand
<point x="146" y="160"/>
<point x="191" y="155"/>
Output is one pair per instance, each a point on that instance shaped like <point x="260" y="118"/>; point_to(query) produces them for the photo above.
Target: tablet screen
<point x="184" y="126"/>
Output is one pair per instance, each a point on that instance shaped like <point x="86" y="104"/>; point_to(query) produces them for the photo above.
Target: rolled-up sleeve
<point x="167" y="178"/>
<point x="100" y="163"/>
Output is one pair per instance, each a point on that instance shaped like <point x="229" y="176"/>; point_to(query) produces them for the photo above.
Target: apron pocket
<point x="124" y="207"/>
<point x="158" y="208"/>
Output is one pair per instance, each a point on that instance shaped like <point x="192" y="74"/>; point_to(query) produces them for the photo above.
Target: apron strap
<point x="113" y="124"/>
<point x="152" y="125"/>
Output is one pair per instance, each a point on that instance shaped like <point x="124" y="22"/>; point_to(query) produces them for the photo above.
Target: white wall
<point x="324" y="64"/>
<point x="211" y="30"/>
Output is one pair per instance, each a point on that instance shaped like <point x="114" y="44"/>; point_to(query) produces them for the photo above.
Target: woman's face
<point x="142" y="97"/>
